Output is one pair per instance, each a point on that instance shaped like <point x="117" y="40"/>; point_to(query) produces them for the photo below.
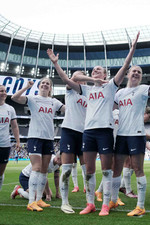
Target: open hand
<point x="54" y="58"/>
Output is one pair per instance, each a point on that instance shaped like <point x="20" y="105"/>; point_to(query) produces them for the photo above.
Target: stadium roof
<point x="108" y="37"/>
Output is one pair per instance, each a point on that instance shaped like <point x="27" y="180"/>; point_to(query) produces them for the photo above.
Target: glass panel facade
<point x="113" y="62"/>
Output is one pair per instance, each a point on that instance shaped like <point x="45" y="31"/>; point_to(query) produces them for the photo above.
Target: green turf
<point x="13" y="212"/>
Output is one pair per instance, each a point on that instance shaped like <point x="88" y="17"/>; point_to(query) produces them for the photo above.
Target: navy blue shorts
<point x="71" y="141"/>
<point x="98" y="140"/>
<point x="24" y="181"/>
<point x="130" y="145"/>
<point x="4" y="154"/>
<point x="40" y="146"/>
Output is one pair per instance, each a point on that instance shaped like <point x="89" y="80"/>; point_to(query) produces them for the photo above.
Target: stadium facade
<point x="23" y="51"/>
<point x="23" y="54"/>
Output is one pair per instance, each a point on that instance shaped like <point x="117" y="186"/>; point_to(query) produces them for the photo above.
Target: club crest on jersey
<point x="4" y="120"/>
<point x="82" y="102"/>
<point x="96" y="95"/>
<point x="45" y="110"/>
<point x="125" y="102"/>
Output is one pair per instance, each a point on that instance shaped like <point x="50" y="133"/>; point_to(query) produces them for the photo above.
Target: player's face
<point x="3" y="94"/>
<point x="98" y="72"/>
<point x="135" y="76"/>
<point x="45" y="87"/>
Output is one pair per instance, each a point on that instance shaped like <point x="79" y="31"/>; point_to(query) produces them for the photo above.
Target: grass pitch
<point x="14" y="212"/>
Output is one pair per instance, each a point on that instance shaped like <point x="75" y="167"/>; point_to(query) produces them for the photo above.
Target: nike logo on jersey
<point x="133" y="149"/>
<point x="104" y="149"/>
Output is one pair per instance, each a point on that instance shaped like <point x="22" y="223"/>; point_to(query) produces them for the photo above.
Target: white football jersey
<point x="131" y="103"/>
<point x="7" y="113"/>
<point x="42" y="113"/>
<point x="75" y="111"/>
<point x="100" y="100"/>
<point x="51" y="168"/>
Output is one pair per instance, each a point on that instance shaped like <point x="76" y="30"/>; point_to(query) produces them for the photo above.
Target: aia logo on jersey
<point x="82" y="102"/>
<point x="45" y="110"/>
<point x="4" y="120"/>
<point x="96" y="95"/>
<point x="125" y="102"/>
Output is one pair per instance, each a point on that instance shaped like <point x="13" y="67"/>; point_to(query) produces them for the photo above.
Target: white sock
<point x="74" y="175"/>
<point x="64" y="182"/>
<point x="127" y="179"/>
<point x="1" y="181"/>
<point x="122" y="183"/>
<point x="33" y="180"/>
<point x="25" y="194"/>
<point x="90" y="187"/>
<point x="84" y="174"/>
<point x="42" y="179"/>
<point x="115" y="188"/>
<point x="100" y="188"/>
<point x="107" y="183"/>
<point x="141" y="188"/>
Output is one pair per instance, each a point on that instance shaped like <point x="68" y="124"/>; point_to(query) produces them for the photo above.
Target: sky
<point x="76" y="16"/>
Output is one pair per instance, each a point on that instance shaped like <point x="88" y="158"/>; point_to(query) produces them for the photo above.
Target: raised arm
<point x="72" y="83"/>
<point x="82" y="78"/>
<point x="62" y="74"/>
<point x="17" y="96"/>
<point x="121" y="73"/>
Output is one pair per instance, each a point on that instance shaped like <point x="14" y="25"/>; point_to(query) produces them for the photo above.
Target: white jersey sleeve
<point x="27" y="170"/>
<point x="100" y="100"/>
<point x="75" y="111"/>
<point x="42" y="111"/>
<point x="7" y="113"/>
<point x="131" y="103"/>
<point x="52" y="168"/>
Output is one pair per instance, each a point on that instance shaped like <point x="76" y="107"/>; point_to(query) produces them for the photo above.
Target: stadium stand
<point x="23" y="56"/>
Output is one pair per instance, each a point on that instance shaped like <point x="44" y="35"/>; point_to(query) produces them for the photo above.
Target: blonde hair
<point x="133" y="67"/>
